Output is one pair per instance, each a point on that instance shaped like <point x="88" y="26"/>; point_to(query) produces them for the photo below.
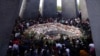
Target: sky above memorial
<point x="78" y="1"/>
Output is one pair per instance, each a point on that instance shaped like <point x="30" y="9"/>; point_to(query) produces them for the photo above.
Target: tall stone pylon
<point x="22" y="9"/>
<point x="83" y="9"/>
<point x="69" y="9"/>
<point x="49" y="8"/>
<point x="32" y="9"/>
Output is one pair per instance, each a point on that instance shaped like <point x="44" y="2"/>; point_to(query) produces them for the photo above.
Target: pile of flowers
<point x="53" y="30"/>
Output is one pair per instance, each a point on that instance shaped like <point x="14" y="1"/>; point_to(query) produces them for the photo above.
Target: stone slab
<point x="49" y="8"/>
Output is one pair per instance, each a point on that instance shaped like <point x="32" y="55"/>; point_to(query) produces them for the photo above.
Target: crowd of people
<point x="20" y="45"/>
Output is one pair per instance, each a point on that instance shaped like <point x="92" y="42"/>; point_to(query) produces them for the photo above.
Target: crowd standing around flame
<point x="22" y="45"/>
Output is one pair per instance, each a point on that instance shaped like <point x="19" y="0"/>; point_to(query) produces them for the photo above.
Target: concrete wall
<point x="69" y="8"/>
<point x="32" y="9"/>
<point x="93" y="7"/>
<point x="49" y="8"/>
<point x="9" y="10"/>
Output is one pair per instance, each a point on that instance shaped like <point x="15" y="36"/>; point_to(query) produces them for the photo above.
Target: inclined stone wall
<point x="9" y="10"/>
